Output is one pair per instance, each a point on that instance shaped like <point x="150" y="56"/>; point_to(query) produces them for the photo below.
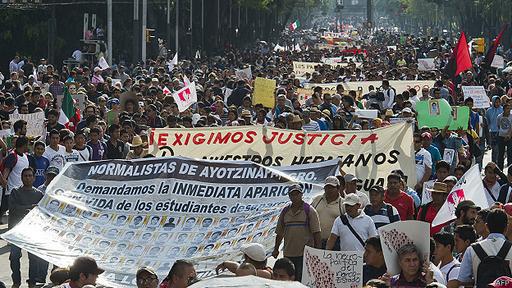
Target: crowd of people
<point x="124" y="101"/>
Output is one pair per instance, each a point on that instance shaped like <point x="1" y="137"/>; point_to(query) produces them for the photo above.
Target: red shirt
<point x="429" y="217"/>
<point x="403" y="203"/>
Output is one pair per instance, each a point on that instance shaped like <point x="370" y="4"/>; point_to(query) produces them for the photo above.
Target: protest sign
<point x="478" y="94"/>
<point x="402" y="120"/>
<point x="400" y="86"/>
<point x="246" y="282"/>
<point x="244" y="73"/>
<point x="369" y="154"/>
<point x="301" y="68"/>
<point x="185" y="97"/>
<point x="426" y="196"/>
<point x="426" y="64"/>
<point x="469" y="187"/>
<point x="498" y="62"/>
<point x="438" y="113"/>
<point x="35" y="122"/>
<point x="102" y="63"/>
<point x="81" y="101"/>
<point x="304" y="94"/>
<point x="151" y="212"/>
<point x="335" y="269"/>
<point x="397" y="234"/>
<point x="264" y="92"/>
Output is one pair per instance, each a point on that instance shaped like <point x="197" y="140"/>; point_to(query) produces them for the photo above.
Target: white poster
<point x="426" y="196"/>
<point x="498" y="62"/>
<point x="244" y="73"/>
<point x="367" y="114"/>
<point x="397" y="234"/>
<point x="480" y="98"/>
<point x="426" y="64"/>
<point x="334" y="269"/>
<point x="35" y="122"/>
<point x="185" y="97"/>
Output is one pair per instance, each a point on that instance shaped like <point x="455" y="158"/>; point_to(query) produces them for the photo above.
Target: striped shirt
<point x="311" y="126"/>
<point x="385" y="215"/>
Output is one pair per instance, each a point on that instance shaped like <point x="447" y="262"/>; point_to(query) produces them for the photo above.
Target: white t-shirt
<point x="454" y="272"/>
<point x="85" y="154"/>
<point x="72" y="156"/>
<point x="14" y="178"/>
<point x="363" y="225"/>
<point x="56" y="157"/>
<point x="423" y="160"/>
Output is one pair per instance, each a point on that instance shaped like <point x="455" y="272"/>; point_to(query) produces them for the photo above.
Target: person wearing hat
<point x="466" y="213"/>
<point x="294" y="122"/>
<point x="399" y="199"/>
<point x="137" y="147"/>
<point x="351" y="187"/>
<point x="428" y="211"/>
<point x="380" y="212"/>
<point x="352" y="228"/>
<point x="146" y="278"/>
<point x="50" y="174"/>
<point x="299" y="226"/>
<point x="96" y="77"/>
<point x="254" y="254"/>
<point x="84" y="271"/>
<point x="450" y="181"/>
<point x="329" y="206"/>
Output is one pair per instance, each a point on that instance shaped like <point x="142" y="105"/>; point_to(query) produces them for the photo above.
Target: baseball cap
<point x="502" y="282"/>
<point x="426" y="135"/>
<point x="52" y="170"/>
<point x="351" y="199"/>
<point x="332" y="181"/>
<point x="407" y="110"/>
<point x="467" y="203"/>
<point x="255" y="251"/>
<point x="350" y="178"/>
<point x="147" y="269"/>
<point x="450" y="178"/>
<point x="85" y="264"/>
<point x="294" y="187"/>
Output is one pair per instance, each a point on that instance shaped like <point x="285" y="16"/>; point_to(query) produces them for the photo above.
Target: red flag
<point x="492" y="50"/>
<point x="460" y="60"/>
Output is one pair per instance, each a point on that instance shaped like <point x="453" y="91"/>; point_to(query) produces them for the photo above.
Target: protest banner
<point x="401" y="120"/>
<point x="246" y="282"/>
<point x="426" y="64"/>
<point x="264" y="92"/>
<point x="304" y="94"/>
<point x="334" y="269"/>
<point x="469" y="187"/>
<point x="397" y="234"/>
<point x="244" y="73"/>
<point x="438" y="113"/>
<point x="498" y="62"/>
<point x="35" y="122"/>
<point x="151" y="212"/>
<point x="369" y="154"/>
<point x="478" y="94"/>
<point x="400" y="86"/>
<point x="367" y="114"/>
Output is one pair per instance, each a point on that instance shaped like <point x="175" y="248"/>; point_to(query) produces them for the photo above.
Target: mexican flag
<point x="295" y="25"/>
<point x="69" y="115"/>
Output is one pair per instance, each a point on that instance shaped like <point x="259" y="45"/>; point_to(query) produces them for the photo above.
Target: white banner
<point x="480" y="98"/>
<point x="35" y="122"/>
<point x="334" y="269"/>
<point x="151" y="212"/>
<point x="369" y="154"/>
<point x="498" y="62"/>
<point x="469" y="187"/>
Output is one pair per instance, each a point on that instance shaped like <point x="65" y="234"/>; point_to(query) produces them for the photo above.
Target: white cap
<point x="332" y="181"/>
<point x="255" y="251"/>
<point x="351" y="199"/>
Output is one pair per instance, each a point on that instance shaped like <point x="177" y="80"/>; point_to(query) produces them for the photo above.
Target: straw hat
<point x="439" y="187"/>
<point x="137" y="141"/>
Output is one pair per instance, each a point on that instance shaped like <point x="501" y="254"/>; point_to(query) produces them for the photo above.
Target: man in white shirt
<point x="423" y="163"/>
<point x="443" y="257"/>
<point x="351" y="187"/>
<point x="55" y="152"/>
<point x="389" y="95"/>
<point x="309" y="124"/>
<point x="353" y="227"/>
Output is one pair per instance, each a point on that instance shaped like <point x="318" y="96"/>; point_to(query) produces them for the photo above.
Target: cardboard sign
<point x="334" y="269"/>
<point x="81" y="101"/>
<point x="397" y="234"/>
<point x="264" y="90"/>
<point x="35" y="122"/>
<point x="478" y="94"/>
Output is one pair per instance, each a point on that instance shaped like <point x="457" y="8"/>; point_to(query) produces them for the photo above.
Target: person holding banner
<point x="299" y="226"/>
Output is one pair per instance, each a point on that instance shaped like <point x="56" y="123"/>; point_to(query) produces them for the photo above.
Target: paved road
<point x="5" y="272"/>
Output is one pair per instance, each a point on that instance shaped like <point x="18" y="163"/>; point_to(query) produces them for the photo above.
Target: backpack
<point x="493" y="266"/>
<point x="307" y="208"/>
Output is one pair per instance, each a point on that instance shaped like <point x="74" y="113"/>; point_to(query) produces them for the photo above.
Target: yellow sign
<point x="264" y="92"/>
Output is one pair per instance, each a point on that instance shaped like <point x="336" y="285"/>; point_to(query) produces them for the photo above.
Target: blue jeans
<point x="37" y="267"/>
